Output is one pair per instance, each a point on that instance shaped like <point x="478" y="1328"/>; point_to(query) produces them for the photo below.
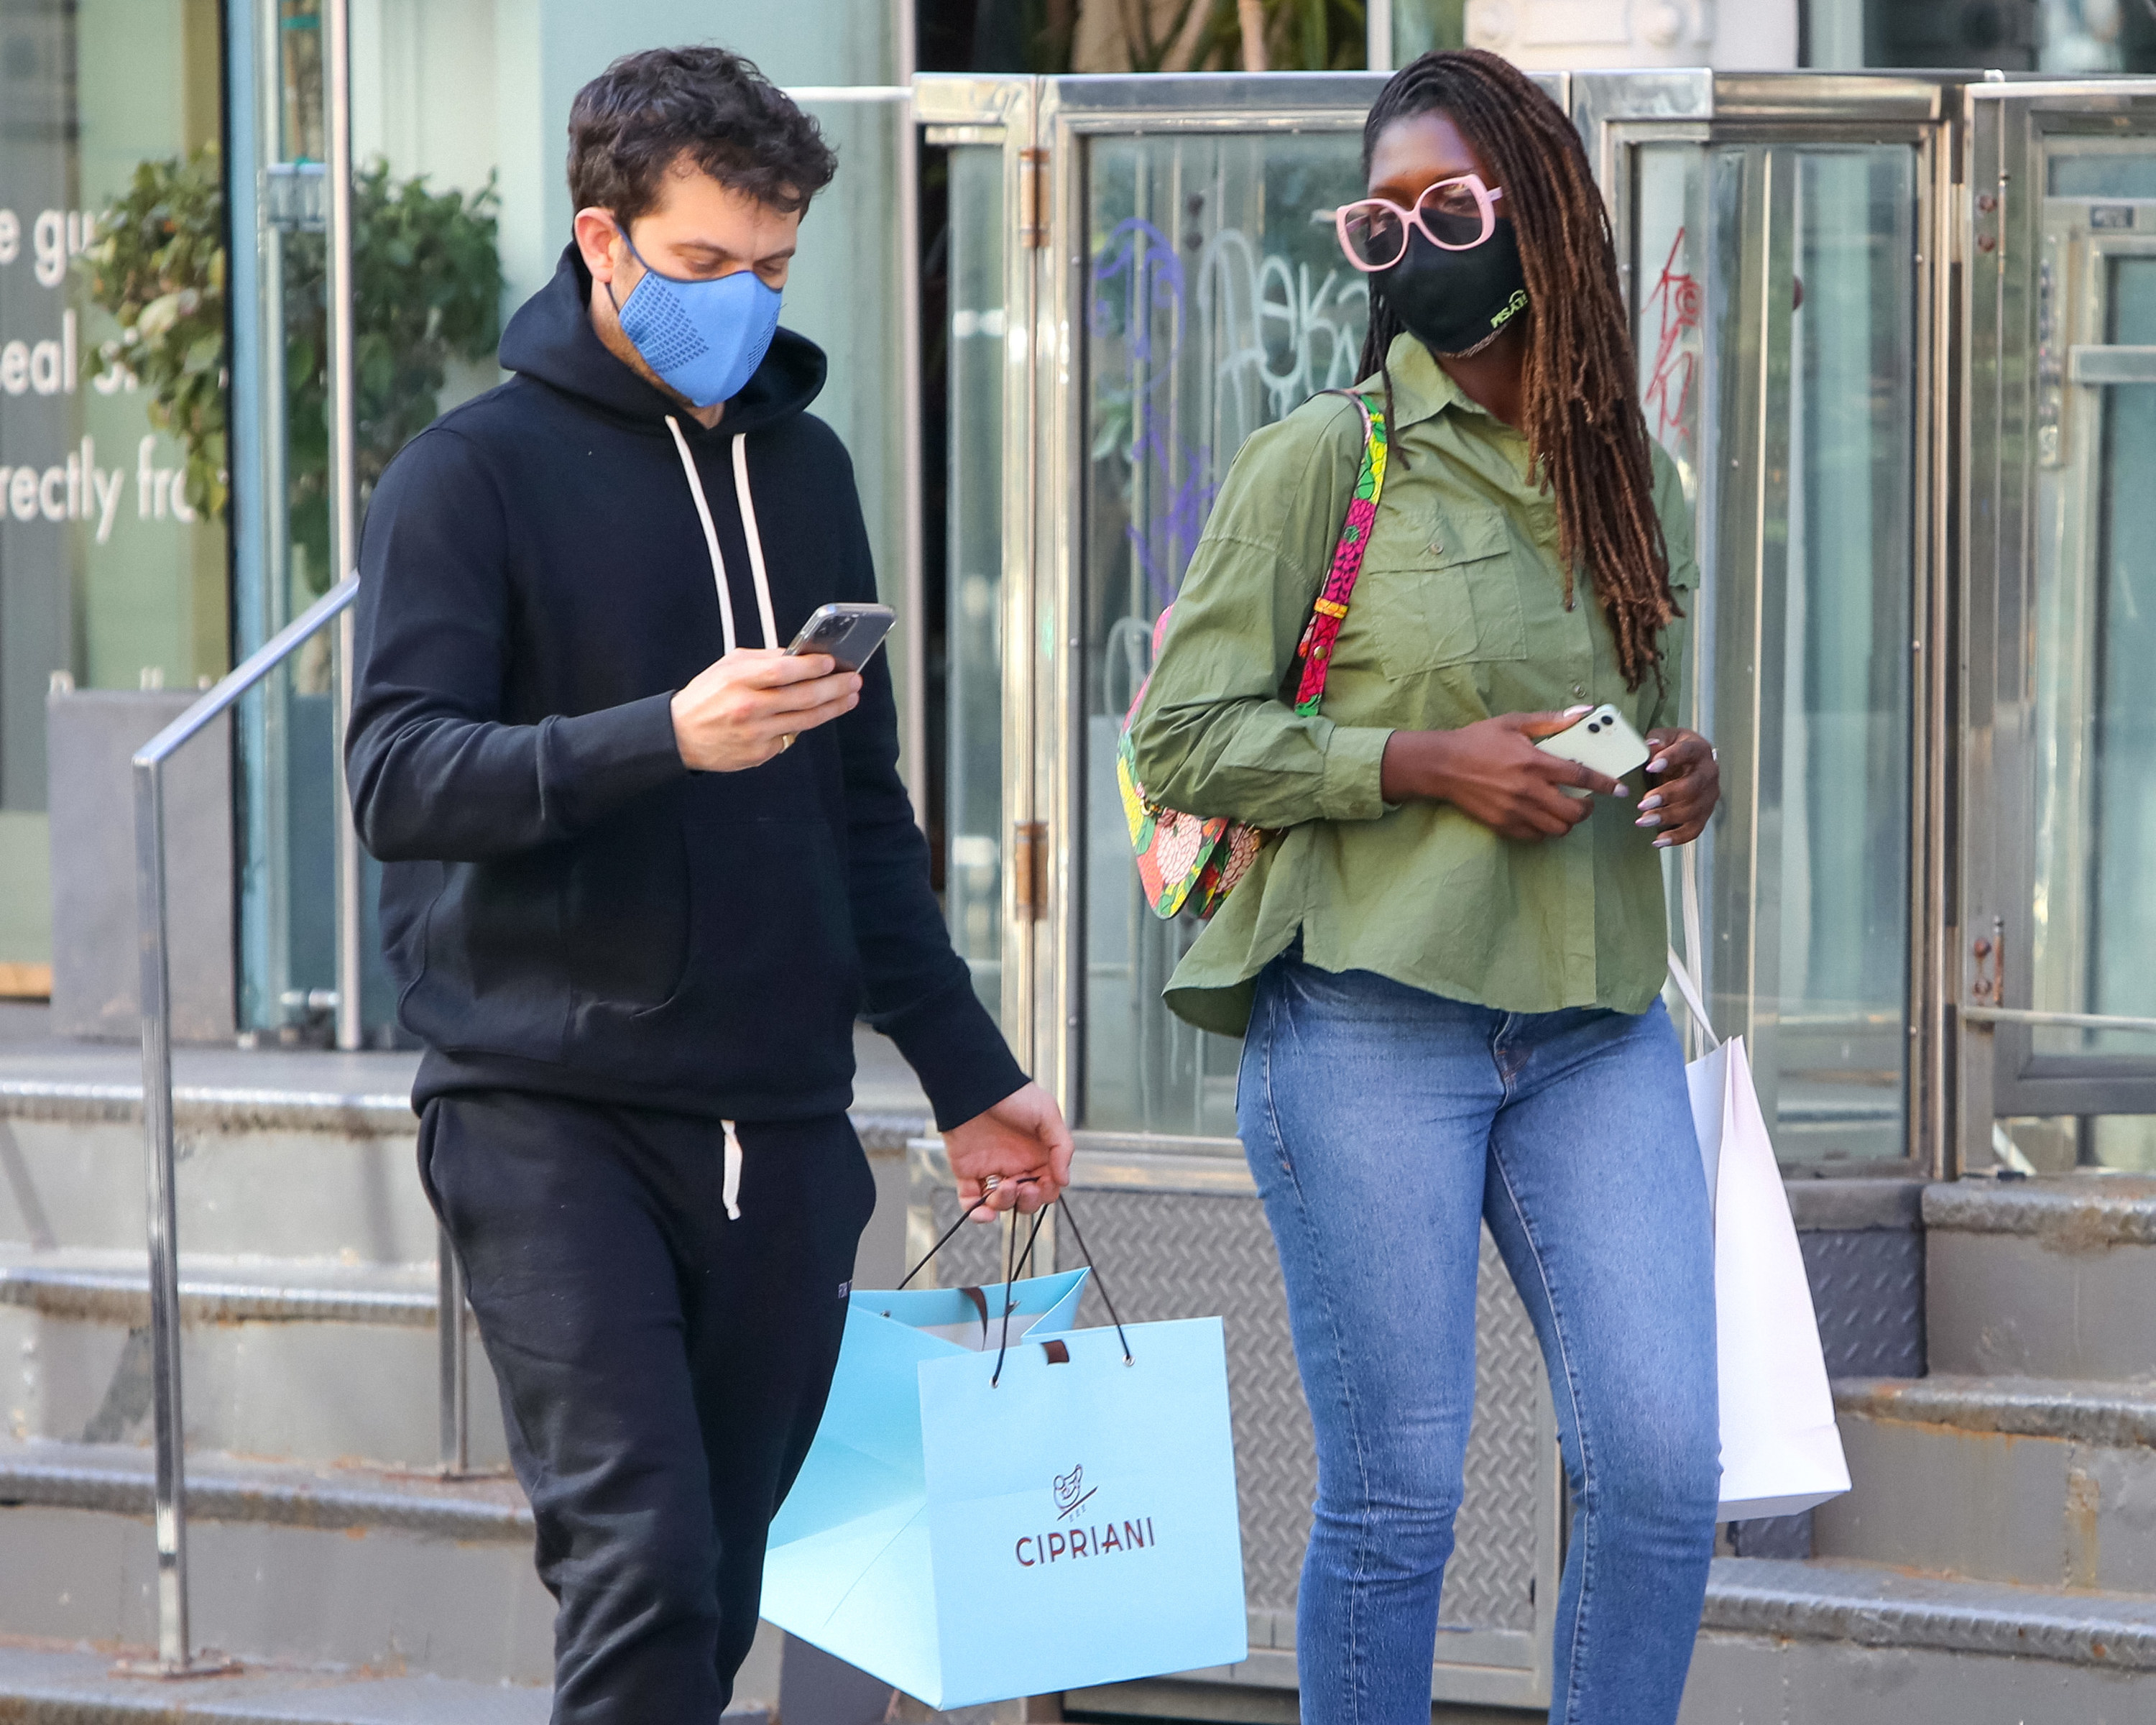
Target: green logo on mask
<point x="1510" y="309"/>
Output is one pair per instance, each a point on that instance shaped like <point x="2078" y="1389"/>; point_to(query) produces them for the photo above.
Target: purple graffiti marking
<point x="1138" y="286"/>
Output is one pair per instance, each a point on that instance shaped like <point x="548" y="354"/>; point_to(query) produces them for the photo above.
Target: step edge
<point x="253" y="1696"/>
<point x="378" y="1114"/>
<point x="2074" y="1218"/>
<point x="119" y="1296"/>
<point x="2087" y="1411"/>
<point x="1991" y="1617"/>
<point x="328" y="1508"/>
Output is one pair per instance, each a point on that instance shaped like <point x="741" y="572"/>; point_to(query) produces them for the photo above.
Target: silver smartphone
<point x="1604" y="740"/>
<point x="850" y="634"/>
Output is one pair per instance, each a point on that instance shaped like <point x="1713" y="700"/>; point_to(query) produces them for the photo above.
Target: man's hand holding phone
<point x="750" y="705"/>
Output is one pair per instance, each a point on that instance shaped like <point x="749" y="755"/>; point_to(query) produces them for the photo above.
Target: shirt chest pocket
<point x="1441" y="589"/>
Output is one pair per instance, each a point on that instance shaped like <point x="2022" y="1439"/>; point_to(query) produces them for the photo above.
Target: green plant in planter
<point x="158" y="267"/>
<point x="426" y="292"/>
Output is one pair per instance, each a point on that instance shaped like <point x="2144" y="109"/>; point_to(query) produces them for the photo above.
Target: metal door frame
<point x="1000" y="112"/>
<point x="1998" y="226"/>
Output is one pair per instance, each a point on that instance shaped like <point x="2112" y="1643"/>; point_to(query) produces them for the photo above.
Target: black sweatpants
<point x="662" y="1368"/>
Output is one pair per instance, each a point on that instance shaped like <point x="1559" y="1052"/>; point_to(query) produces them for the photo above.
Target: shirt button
<point x="1579" y="691"/>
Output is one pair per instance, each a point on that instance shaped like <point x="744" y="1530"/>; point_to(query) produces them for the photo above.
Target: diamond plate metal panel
<point x="1175" y="1254"/>
<point x="1868" y="1290"/>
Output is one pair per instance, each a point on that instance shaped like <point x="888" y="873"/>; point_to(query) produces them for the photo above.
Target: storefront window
<point x="112" y="559"/>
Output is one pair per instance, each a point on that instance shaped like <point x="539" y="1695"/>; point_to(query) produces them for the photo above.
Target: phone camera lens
<point x="1596" y="725"/>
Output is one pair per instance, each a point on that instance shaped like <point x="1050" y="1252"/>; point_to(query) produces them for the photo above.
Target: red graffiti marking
<point x="1668" y="394"/>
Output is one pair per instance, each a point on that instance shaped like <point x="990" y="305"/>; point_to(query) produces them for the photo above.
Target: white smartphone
<point x="850" y="634"/>
<point x="1603" y="740"/>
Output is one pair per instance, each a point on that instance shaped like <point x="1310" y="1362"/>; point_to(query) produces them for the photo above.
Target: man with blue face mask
<point x="641" y="872"/>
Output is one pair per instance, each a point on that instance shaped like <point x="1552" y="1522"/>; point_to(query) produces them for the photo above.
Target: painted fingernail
<point x="1648" y="820"/>
<point x="1652" y="801"/>
<point x="1574" y="712"/>
<point x="1660" y="763"/>
<point x="1664" y="842"/>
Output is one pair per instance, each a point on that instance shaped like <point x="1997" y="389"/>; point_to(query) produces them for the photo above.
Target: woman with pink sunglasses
<point x="1447" y="964"/>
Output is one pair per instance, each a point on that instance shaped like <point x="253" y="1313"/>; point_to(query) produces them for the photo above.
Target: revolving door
<point x="1153" y="277"/>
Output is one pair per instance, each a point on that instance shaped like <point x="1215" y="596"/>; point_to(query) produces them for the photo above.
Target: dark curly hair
<point x="633" y="123"/>
<point x="1582" y="408"/>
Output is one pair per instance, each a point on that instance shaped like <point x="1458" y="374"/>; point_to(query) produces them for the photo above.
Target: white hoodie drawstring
<point x="755" y="566"/>
<point x="729" y="1188"/>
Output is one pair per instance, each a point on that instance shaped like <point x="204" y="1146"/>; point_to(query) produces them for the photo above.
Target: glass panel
<point x="2095" y="902"/>
<point x="112" y="554"/>
<point x="2101" y="167"/>
<point x="1419" y="26"/>
<point x="1841" y="1045"/>
<point x="973" y="795"/>
<point x="1669" y="297"/>
<point x="2123" y="913"/>
<point x="1832" y="938"/>
<point x="2078" y="37"/>
<point x="1217" y="302"/>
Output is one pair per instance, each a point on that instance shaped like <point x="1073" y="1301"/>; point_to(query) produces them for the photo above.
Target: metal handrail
<point x="2058" y="1020"/>
<point x="174" y="1655"/>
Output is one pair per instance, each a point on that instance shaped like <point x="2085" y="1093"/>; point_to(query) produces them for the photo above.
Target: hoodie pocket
<point x="769" y="976"/>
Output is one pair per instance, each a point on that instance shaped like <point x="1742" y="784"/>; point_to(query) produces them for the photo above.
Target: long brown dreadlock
<point x="1582" y="414"/>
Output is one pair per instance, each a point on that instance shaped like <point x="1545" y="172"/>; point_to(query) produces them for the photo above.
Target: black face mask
<point x="1456" y="303"/>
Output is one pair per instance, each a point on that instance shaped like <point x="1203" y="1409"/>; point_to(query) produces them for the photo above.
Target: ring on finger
<point x="990" y="1184"/>
<point x="785" y="740"/>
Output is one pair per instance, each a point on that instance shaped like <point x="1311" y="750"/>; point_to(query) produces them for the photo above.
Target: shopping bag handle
<point x="1015" y="1264"/>
<point x="1681" y="973"/>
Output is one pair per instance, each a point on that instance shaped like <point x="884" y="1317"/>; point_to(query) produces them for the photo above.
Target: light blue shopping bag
<point x="975" y="1523"/>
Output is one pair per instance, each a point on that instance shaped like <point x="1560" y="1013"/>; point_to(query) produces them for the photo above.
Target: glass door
<point x="2057" y="994"/>
<point x="1774" y="233"/>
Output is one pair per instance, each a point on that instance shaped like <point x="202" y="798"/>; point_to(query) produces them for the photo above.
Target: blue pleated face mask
<point x="704" y="338"/>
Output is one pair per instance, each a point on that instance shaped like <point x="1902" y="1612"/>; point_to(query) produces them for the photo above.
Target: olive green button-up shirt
<point x="1459" y="614"/>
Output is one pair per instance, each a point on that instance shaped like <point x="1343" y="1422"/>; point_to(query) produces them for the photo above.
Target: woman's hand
<point x="1687" y="785"/>
<point x="1492" y="772"/>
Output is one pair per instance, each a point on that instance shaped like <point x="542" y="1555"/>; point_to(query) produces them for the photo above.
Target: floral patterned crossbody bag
<point x="1188" y="859"/>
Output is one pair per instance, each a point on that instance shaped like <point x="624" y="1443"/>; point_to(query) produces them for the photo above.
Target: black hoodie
<point x="565" y="907"/>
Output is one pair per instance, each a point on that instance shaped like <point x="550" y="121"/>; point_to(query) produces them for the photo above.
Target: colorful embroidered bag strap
<point x="1330" y="608"/>
<point x="1179" y="854"/>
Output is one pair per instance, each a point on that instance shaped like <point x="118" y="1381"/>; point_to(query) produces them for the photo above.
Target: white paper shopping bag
<point x="1781" y="1451"/>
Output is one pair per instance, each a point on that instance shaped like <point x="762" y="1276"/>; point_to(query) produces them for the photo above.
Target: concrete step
<point x="2051" y="1278"/>
<point x="2015" y="1479"/>
<point x="1826" y="1642"/>
<point x="301" y="1173"/>
<point x="296" y="1173"/>
<point x="44" y="1684"/>
<point x="293" y="1360"/>
<point x="345" y="1568"/>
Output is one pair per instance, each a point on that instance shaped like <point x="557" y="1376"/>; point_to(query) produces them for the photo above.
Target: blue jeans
<point x="1383" y="1124"/>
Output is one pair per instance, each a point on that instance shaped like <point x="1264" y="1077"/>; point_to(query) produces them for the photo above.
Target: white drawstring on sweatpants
<point x="730" y="1187"/>
<point x="730" y="1190"/>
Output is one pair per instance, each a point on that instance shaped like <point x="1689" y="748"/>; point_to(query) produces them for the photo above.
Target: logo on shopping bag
<point x="1078" y="1539"/>
<point x="1070" y="1497"/>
